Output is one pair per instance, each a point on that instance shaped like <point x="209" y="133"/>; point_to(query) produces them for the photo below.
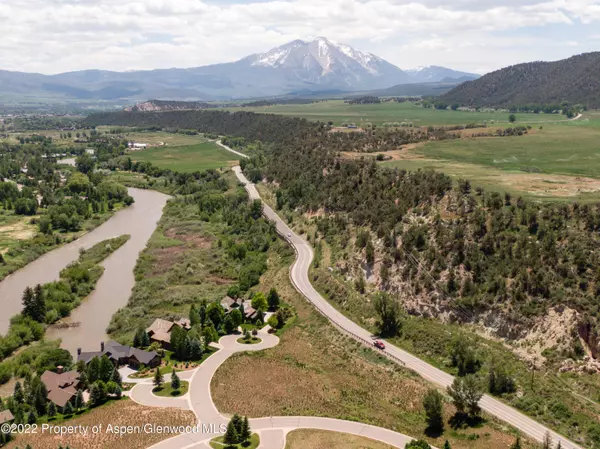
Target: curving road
<point x="272" y="430"/>
<point x="299" y="276"/>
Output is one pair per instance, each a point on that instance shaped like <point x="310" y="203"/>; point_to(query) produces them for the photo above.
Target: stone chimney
<point x="59" y="369"/>
<point x="101" y="346"/>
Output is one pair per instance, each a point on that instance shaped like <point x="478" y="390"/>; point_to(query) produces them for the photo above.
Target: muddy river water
<point x="113" y="288"/>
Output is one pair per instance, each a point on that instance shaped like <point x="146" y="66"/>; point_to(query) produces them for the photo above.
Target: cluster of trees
<point x="368" y="99"/>
<point x="238" y="431"/>
<point x="29" y="401"/>
<point x="102" y="378"/>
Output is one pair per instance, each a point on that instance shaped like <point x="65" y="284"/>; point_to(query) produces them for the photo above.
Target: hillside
<point x="574" y="80"/>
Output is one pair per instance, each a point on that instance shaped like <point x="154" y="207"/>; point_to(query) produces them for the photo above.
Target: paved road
<point x="299" y="277"/>
<point x="272" y="430"/>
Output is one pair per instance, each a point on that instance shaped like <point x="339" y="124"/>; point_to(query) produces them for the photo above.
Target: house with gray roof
<point x="122" y="355"/>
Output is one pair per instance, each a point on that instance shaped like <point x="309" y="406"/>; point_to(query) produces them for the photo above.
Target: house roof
<point x="160" y="326"/>
<point x="116" y="351"/>
<point x="61" y="396"/>
<point x="55" y="381"/>
<point x="61" y="387"/>
<point x="6" y="416"/>
<point x="228" y="302"/>
<point x="160" y="330"/>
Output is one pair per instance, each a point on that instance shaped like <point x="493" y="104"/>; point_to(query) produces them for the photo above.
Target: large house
<point x="62" y="387"/>
<point x="230" y="304"/>
<point x="160" y="330"/>
<point x="122" y="355"/>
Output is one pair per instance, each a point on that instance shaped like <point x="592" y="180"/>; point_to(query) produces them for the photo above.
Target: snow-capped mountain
<point x="434" y="74"/>
<point x="327" y="63"/>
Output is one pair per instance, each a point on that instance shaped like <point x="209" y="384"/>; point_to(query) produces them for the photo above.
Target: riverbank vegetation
<point x="44" y="204"/>
<point x="44" y="305"/>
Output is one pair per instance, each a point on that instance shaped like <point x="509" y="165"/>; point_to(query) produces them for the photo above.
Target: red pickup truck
<point x="379" y="344"/>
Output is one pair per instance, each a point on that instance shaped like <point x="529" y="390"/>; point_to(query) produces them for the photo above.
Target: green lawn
<point x="339" y="112"/>
<point x="167" y="391"/>
<point x="217" y="443"/>
<point x="186" y="158"/>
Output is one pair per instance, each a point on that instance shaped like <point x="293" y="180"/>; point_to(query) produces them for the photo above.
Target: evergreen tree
<point x="40" y="304"/>
<point x="447" y="445"/>
<point x="195" y="349"/>
<point x="68" y="409"/>
<point x="18" y="394"/>
<point x="231" y="436"/>
<point x="228" y="324"/>
<point x="79" y="402"/>
<point x="246" y="432"/>
<point x="273" y="299"/>
<point x="31" y="417"/>
<point x="138" y="338"/>
<point x="175" y="382"/>
<point x="116" y="377"/>
<point x="41" y="398"/>
<point x="51" y="409"/>
<point x="28" y="302"/>
<point x="158" y="378"/>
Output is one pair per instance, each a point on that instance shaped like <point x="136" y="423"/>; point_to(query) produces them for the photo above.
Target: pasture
<point x="557" y="162"/>
<point x="188" y="158"/>
<point x="339" y="112"/>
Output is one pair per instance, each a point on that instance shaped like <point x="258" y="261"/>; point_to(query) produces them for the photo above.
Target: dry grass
<point x="121" y="413"/>
<point x="322" y="439"/>
<point x="316" y="371"/>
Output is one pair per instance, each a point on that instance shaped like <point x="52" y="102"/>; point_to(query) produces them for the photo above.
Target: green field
<point x="339" y="112"/>
<point x="555" y="162"/>
<point x="188" y="158"/>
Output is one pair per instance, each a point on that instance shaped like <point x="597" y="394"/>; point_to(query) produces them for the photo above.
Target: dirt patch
<point x="120" y="413"/>
<point x="21" y="230"/>
<point x="164" y="258"/>
<point x="195" y="240"/>
<point x="322" y="439"/>
<point x="343" y="129"/>
<point x="404" y="153"/>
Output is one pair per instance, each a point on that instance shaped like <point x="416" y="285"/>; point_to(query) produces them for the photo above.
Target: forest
<point x="489" y="251"/>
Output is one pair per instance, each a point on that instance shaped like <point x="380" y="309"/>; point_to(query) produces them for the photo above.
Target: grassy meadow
<point x="339" y="112"/>
<point x="557" y="162"/>
<point x="187" y="158"/>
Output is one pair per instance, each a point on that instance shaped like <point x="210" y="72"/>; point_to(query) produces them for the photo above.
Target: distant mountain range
<point x="320" y="65"/>
<point x="437" y="74"/>
<point x="576" y="80"/>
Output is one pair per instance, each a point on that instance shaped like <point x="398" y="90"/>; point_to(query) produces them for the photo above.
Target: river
<point x="114" y="287"/>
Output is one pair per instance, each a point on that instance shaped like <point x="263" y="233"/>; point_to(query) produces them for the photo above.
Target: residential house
<point x="62" y="387"/>
<point x="122" y="355"/>
<point x="230" y="303"/>
<point x="160" y="330"/>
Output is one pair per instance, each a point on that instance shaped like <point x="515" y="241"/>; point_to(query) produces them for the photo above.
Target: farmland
<point x="557" y="162"/>
<point x="187" y="158"/>
<point x="339" y="112"/>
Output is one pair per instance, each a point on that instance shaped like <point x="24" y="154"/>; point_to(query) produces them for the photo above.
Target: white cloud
<point x="58" y="35"/>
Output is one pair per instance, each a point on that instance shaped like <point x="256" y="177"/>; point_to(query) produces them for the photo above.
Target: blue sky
<point x="52" y="36"/>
